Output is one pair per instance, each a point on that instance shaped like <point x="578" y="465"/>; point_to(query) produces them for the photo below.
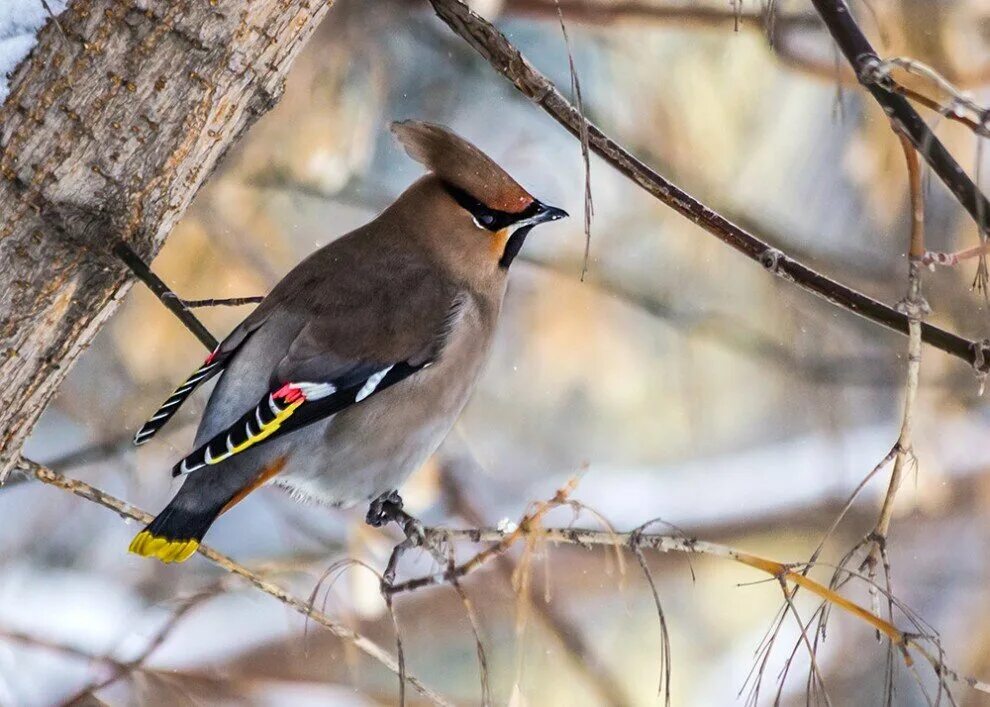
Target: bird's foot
<point x="385" y="509"/>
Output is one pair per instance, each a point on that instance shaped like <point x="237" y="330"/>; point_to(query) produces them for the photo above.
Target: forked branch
<point x="870" y="70"/>
<point x="915" y="306"/>
<point x="507" y="60"/>
<point x="794" y="575"/>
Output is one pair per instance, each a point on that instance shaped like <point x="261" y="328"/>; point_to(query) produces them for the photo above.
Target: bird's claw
<point x="385" y="509"/>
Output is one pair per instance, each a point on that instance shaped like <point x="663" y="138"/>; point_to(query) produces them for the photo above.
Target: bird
<point x="348" y="375"/>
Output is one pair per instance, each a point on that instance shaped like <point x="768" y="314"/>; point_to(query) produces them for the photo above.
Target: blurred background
<point x="679" y="379"/>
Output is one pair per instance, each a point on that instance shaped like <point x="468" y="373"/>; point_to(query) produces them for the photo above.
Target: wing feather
<point x="291" y="407"/>
<point x="212" y="366"/>
<point x="359" y="319"/>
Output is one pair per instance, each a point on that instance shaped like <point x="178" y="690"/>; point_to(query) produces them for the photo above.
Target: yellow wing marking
<point x="266" y="431"/>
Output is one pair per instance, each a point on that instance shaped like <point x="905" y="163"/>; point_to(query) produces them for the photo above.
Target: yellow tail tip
<point x="147" y="545"/>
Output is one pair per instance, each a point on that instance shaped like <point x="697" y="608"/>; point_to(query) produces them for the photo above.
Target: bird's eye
<point x="485" y="220"/>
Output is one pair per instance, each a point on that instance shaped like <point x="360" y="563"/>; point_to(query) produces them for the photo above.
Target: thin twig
<point x="225" y="302"/>
<point x="95" y="452"/>
<point x="982" y="268"/>
<point x="766" y="648"/>
<point x="598" y="12"/>
<point x="810" y="684"/>
<point x="934" y="257"/>
<point x="123" y="670"/>
<point x="501" y="544"/>
<point x="493" y="46"/>
<point x="65" y="649"/>
<point x="386" y="581"/>
<point x="666" y="655"/>
<point x="761" y="658"/>
<point x="868" y="67"/>
<point x="849" y="503"/>
<point x="500" y="540"/>
<point x="916" y="308"/>
<point x="960" y="106"/>
<point x="486" y="690"/>
<point x="788" y="599"/>
<point x="137" y="266"/>
<point x="130" y="512"/>
<point x="54" y="17"/>
<point x="662" y="543"/>
<point x="583" y="656"/>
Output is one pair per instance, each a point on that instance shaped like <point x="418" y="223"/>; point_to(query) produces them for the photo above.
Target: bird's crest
<point x="458" y="162"/>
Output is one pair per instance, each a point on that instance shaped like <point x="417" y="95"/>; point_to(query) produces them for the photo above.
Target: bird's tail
<point x="175" y="533"/>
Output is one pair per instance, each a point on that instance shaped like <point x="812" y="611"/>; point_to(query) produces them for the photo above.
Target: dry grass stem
<point x="589" y="207"/>
<point x="666" y="655"/>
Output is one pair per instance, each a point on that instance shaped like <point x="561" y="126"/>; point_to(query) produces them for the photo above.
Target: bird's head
<point x="486" y="214"/>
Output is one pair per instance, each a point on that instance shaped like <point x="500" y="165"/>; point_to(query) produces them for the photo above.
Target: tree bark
<point x="107" y="134"/>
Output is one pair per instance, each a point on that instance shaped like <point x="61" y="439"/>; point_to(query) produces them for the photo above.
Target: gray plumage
<point x="367" y="300"/>
<point x="417" y="289"/>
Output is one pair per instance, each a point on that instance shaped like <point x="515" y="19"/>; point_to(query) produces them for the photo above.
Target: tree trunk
<point x="108" y="132"/>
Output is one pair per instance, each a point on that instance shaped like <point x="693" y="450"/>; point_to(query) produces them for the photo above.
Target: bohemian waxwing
<point x="353" y="369"/>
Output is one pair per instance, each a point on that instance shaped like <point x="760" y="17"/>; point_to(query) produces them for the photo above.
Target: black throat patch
<point x="513" y="246"/>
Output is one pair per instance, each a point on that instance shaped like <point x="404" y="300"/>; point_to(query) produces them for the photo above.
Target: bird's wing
<point x="214" y="364"/>
<point x="292" y="406"/>
<point x="338" y="359"/>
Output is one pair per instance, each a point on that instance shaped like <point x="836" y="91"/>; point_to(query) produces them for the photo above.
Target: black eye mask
<point x="490" y="219"/>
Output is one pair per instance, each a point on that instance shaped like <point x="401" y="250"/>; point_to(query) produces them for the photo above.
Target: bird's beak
<point x="542" y="214"/>
<point x="538" y="213"/>
<point x="549" y="213"/>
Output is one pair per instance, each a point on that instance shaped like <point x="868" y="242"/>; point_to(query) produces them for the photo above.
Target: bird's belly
<point x="345" y="469"/>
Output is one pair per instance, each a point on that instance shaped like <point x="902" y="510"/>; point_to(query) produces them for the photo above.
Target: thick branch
<point x="110" y="128"/>
<point x="508" y="61"/>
